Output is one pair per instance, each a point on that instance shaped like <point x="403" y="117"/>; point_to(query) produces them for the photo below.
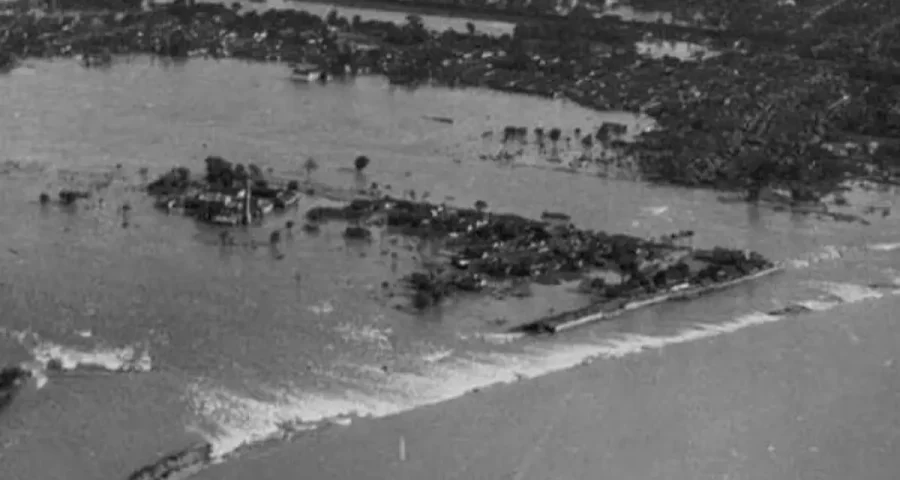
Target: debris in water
<point x="447" y="120"/>
<point x="69" y="197"/>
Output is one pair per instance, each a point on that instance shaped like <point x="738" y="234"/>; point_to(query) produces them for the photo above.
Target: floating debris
<point x="69" y="197"/>
<point x="446" y="120"/>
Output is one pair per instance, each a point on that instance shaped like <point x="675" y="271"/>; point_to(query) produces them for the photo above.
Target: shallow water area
<point x="244" y="343"/>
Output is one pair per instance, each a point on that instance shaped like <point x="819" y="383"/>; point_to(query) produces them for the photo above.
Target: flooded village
<point x="790" y="106"/>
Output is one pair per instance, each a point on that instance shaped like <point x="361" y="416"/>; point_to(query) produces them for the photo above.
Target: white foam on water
<point x="827" y="253"/>
<point x="848" y="292"/>
<point x="656" y="211"/>
<point x="885" y="247"/>
<point x="631" y="344"/>
<point x="241" y="421"/>
<point x="37" y="372"/>
<point x="323" y="309"/>
<point x="44" y="352"/>
<point x="495" y="338"/>
<point x="818" y="305"/>
<point x="365" y="334"/>
<point x="40" y="380"/>
<point x="344" y="422"/>
<point x="23" y="337"/>
<point x="437" y="355"/>
<point x="837" y="252"/>
<point x="125" y="359"/>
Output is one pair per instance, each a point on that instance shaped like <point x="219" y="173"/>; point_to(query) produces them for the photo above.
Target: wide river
<point x="237" y="345"/>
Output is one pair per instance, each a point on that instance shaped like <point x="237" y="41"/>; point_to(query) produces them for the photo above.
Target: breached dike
<point x="178" y="465"/>
<point x="600" y="311"/>
<point x="243" y="423"/>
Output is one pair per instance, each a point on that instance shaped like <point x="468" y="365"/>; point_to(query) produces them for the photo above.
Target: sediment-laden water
<point x="165" y="337"/>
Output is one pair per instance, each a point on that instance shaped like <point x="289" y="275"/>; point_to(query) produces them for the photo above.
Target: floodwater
<point x="682" y="50"/>
<point x="243" y="345"/>
<point x="433" y="22"/>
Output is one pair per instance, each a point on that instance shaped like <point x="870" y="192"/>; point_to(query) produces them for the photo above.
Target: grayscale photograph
<point x="449" y="240"/>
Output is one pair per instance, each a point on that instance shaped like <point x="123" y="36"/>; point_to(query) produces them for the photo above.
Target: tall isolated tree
<point x="555" y="135"/>
<point x="361" y="163"/>
<point x="310" y="166"/>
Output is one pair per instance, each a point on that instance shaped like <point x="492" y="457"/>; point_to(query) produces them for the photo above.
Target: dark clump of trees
<point x="173" y="182"/>
<point x="361" y="163"/>
<point x="224" y="175"/>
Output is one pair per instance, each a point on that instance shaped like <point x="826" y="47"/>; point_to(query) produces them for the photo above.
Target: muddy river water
<point x="238" y="346"/>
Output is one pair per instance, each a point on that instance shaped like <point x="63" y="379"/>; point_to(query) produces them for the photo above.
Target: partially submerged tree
<point x="310" y="166"/>
<point x="256" y="173"/>
<point x="555" y="134"/>
<point x="240" y="173"/>
<point x="415" y="29"/>
<point x="587" y="145"/>
<point x="361" y="163"/>
<point x="219" y="172"/>
<point x="509" y="132"/>
<point x="539" y="139"/>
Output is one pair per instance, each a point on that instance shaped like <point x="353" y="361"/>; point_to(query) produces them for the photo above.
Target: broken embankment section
<point x="605" y="310"/>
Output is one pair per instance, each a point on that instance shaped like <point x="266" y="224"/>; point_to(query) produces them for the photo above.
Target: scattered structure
<point x="764" y="112"/>
<point x="228" y="194"/>
<point x="484" y="250"/>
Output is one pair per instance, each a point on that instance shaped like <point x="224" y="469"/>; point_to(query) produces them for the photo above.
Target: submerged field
<point x="243" y="345"/>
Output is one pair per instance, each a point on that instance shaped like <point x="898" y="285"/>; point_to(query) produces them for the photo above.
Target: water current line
<point x="838" y="252"/>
